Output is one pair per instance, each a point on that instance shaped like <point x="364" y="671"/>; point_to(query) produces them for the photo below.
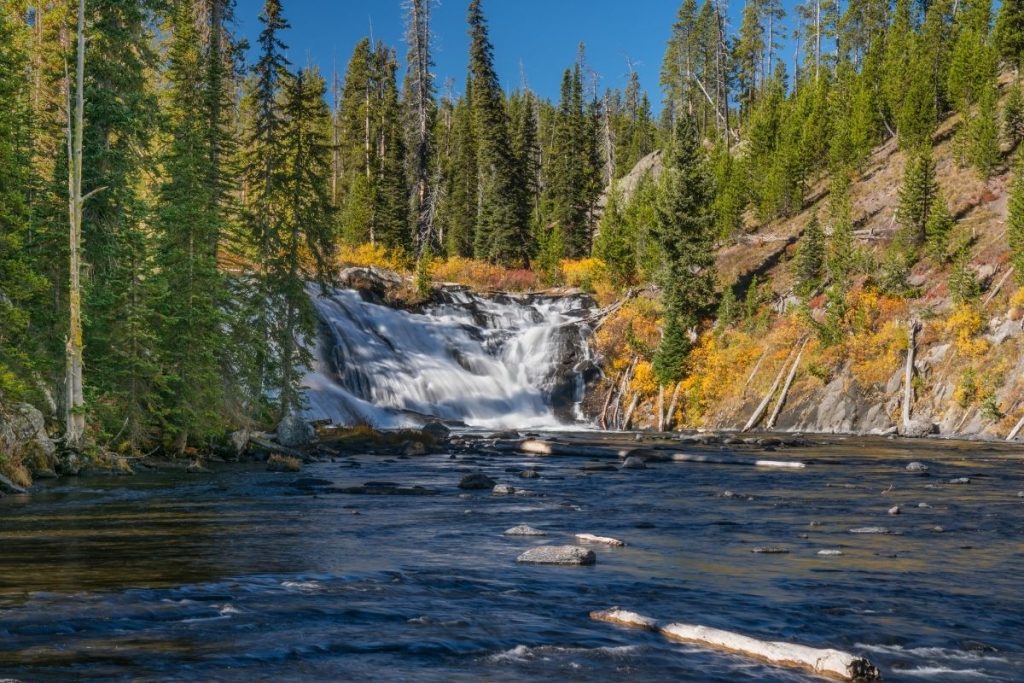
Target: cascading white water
<point x="494" y="362"/>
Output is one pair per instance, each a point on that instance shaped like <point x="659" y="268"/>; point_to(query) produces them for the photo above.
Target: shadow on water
<point x="249" y="575"/>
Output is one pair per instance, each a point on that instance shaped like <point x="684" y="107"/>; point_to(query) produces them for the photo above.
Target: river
<point x="247" y="575"/>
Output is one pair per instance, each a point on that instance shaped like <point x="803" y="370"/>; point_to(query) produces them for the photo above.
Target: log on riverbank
<point x="822" y="661"/>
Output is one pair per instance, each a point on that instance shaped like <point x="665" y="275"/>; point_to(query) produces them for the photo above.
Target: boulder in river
<point x="894" y="510"/>
<point x="437" y="430"/>
<point x="476" y="482"/>
<point x="530" y="474"/>
<point x="558" y="554"/>
<point x="960" y="480"/>
<point x="524" y="530"/>
<point x="634" y="463"/>
<point x="294" y="432"/>
<point x="917" y="467"/>
<point x="917" y="428"/>
<point x="502" y="490"/>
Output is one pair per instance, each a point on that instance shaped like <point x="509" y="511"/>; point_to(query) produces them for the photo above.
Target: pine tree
<point x="810" y="259"/>
<point x="20" y="286"/>
<point x="615" y="243"/>
<point x="841" y="246"/>
<point x="189" y="289"/>
<point x="984" y="153"/>
<point x="419" y="115"/>
<point x="963" y="284"/>
<point x="937" y="229"/>
<point x="1015" y="224"/>
<point x="121" y="121"/>
<point x="457" y="212"/>
<point x="501" y="236"/>
<point x="685" y="228"/>
<point x="1009" y="32"/>
<point x="917" y="195"/>
<point x="747" y="54"/>
<point x="1013" y="115"/>
<point x="569" y="182"/>
<point x="305" y="239"/>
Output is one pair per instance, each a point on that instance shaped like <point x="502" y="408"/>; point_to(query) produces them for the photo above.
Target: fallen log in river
<point x="824" y="662"/>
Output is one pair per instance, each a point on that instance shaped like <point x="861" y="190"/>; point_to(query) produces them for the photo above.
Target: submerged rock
<point x="524" y="530"/>
<point x="530" y="474"/>
<point x="8" y="486"/>
<point x="558" y="554"/>
<point x="283" y="463"/>
<point x="917" y="467"/>
<point x="196" y="467"/>
<point x="771" y="550"/>
<point x="502" y="490"/>
<point x="960" y="480"/>
<point x="634" y="463"/>
<point x="476" y="482"/>
<point x="869" y="530"/>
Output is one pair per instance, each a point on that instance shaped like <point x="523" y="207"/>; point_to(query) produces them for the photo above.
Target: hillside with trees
<point x="167" y="210"/>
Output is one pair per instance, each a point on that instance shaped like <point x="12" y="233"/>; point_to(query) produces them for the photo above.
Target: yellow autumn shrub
<point x="584" y="273"/>
<point x="373" y="256"/>
<point x="963" y="326"/>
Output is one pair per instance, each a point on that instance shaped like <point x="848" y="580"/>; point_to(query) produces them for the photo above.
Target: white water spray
<point x="502" y="361"/>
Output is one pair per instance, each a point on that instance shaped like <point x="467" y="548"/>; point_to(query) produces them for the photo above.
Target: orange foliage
<point x="484" y="276"/>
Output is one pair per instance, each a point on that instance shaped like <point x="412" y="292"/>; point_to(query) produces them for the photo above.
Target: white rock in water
<point x="558" y="554"/>
<point x="502" y="490"/>
<point x="830" y="553"/>
<point x="894" y="510"/>
<point x="591" y="538"/>
<point x="960" y="480"/>
<point x="917" y="467"/>
<point x="524" y="530"/>
<point x="869" y="530"/>
<point x="770" y="550"/>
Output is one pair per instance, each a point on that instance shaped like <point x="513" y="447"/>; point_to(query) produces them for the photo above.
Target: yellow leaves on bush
<point x="644" y="381"/>
<point x="373" y="256"/>
<point x="963" y="326"/>
<point x="1017" y="299"/>
<point x="876" y="355"/>
<point x="584" y="273"/>
<point x="719" y="365"/>
<point x="483" y="275"/>
<point x="633" y="330"/>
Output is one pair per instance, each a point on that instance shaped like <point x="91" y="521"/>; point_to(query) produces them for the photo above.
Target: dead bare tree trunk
<point x="756" y="417"/>
<point x="670" y="416"/>
<point x="75" y="417"/>
<point x="629" y="412"/>
<point x="1016" y="430"/>
<point x="421" y="94"/>
<point x="785" y="389"/>
<point x="660" y="408"/>
<point x="908" y="373"/>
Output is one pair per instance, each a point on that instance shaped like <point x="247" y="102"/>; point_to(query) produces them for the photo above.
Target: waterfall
<point x="497" y="361"/>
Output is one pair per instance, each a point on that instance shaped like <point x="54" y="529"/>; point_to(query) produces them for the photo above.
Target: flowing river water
<point x="247" y="575"/>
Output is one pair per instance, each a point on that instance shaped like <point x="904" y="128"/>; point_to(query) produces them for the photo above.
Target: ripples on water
<point x="251" y="576"/>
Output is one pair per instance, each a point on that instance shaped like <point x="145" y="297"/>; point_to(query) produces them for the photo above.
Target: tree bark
<point x="908" y="373"/>
<point x="756" y="417"/>
<point x="785" y="390"/>
<point x="75" y="417"/>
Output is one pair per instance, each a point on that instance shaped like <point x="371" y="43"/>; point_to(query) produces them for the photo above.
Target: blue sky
<point x="539" y="36"/>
